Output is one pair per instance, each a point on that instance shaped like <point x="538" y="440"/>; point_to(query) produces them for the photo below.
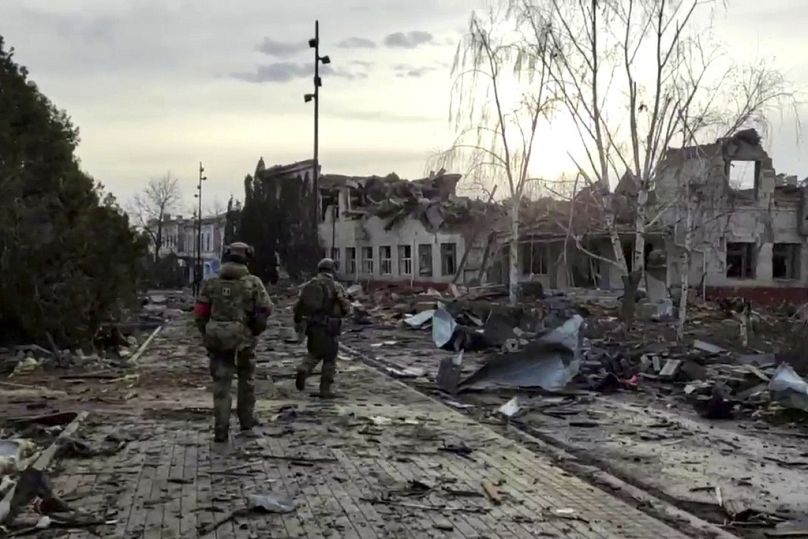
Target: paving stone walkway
<point x="381" y="461"/>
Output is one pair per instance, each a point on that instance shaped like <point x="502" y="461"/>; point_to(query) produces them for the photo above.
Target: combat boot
<point x="300" y="379"/>
<point x="249" y="425"/>
<point x="326" y="392"/>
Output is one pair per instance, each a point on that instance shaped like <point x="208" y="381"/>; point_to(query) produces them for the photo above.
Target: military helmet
<point x="238" y="252"/>
<point x="326" y="264"/>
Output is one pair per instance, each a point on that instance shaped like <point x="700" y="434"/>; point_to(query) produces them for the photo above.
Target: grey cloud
<point x="281" y="49"/>
<point x="408" y="40"/>
<point x="277" y="72"/>
<point x="287" y="71"/>
<point x="362" y="63"/>
<point x="408" y="71"/>
<point x="356" y="43"/>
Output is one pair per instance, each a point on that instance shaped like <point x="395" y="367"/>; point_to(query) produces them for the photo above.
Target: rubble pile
<point x="573" y="341"/>
<point x="432" y="200"/>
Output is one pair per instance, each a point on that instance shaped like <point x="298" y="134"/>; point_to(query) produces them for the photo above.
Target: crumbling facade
<point x="744" y="225"/>
<point x="391" y="230"/>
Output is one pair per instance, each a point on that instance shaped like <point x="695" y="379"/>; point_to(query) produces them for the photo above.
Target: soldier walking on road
<point x="318" y="314"/>
<point x="231" y="311"/>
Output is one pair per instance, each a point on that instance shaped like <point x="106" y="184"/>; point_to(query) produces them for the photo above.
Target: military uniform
<point x="231" y="311"/>
<point x="322" y="327"/>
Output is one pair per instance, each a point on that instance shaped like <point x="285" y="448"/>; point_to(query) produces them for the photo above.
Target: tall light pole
<point x="315" y="44"/>
<point x="198" y="264"/>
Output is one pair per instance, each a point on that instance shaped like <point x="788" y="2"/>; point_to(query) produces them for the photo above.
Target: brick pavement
<point x="370" y="464"/>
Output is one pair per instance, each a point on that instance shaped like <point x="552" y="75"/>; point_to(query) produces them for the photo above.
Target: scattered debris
<point x="492" y="492"/>
<point x="510" y="408"/>
<point x="789" y="388"/>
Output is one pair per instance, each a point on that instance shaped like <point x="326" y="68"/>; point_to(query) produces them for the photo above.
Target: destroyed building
<point x="748" y="224"/>
<point x="420" y="232"/>
<point x="389" y="229"/>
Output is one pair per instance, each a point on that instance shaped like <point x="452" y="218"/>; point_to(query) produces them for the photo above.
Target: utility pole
<point x="315" y="44"/>
<point x="198" y="261"/>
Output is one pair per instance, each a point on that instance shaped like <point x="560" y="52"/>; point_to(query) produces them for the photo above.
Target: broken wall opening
<point x="329" y="204"/>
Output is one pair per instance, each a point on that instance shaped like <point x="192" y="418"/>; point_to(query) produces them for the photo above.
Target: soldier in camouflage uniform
<point x="231" y="311"/>
<point x="321" y="320"/>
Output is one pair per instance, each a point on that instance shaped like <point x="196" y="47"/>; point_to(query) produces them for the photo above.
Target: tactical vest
<point x="231" y="302"/>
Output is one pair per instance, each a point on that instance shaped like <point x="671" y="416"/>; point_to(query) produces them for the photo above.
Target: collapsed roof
<point x="432" y="199"/>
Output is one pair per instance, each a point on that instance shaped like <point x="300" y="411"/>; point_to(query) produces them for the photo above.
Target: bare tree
<point x="150" y="207"/>
<point x="496" y="114"/>
<point x="635" y="77"/>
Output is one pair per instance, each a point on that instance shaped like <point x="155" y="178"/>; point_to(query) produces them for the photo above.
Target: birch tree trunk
<point x="639" y="231"/>
<point x="513" y="262"/>
<point x="685" y="273"/>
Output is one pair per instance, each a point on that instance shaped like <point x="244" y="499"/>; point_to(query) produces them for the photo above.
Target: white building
<point x="391" y="230"/>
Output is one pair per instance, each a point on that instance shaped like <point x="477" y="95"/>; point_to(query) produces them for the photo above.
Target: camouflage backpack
<point x="230" y="302"/>
<point x="315" y="298"/>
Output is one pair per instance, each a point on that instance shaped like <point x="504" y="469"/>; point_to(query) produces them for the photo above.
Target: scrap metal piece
<point x="549" y="362"/>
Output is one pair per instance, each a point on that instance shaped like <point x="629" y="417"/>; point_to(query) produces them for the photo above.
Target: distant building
<point x="180" y="236"/>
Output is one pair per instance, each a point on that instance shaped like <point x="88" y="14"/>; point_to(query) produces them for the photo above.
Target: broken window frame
<point x="790" y="255"/>
<point x="755" y="175"/>
<point x="448" y="259"/>
<point x="534" y="258"/>
<point x="425" y="264"/>
<point x="405" y="259"/>
<point x="350" y="260"/>
<point x="385" y="262"/>
<point x="744" y="255"/>
<point x="367" y="260"/>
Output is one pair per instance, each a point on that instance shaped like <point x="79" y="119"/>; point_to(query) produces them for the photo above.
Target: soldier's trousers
<point x="322" y="346"/>
<point x="222" y="368"/>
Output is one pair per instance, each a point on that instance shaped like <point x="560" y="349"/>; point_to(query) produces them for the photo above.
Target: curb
<point x="663" y="510"/>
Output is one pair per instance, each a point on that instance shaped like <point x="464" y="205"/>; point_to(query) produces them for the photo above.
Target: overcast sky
<point x="158" y="85"/>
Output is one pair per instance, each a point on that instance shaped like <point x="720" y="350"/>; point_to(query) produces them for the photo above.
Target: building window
<point x="350" y="260"/>
<point x="741" y="260"/>
<point x="425" y="260"/>
<point x="386" y="260"/>
<point x="367" y="260"/>
<point x="448" y="259"/>
<point x="786" y="261"/>
<point x="533" y="258"/>
<point x="335" y="256"/>
<point x="405" y="260"/>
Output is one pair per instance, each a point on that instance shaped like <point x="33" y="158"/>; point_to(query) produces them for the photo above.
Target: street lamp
<point x="318" y="82"/>
<point x="198" y="264"/>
